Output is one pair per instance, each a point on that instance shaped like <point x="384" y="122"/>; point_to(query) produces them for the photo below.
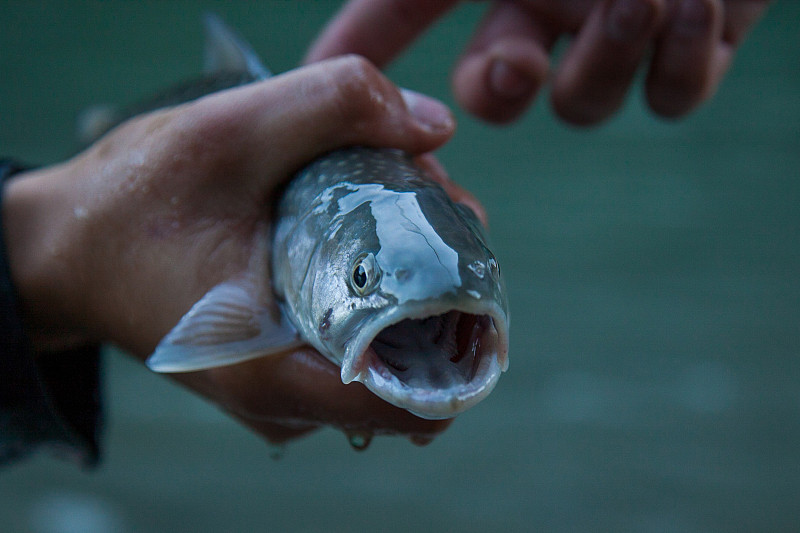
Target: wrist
<point x="36" y="233"/>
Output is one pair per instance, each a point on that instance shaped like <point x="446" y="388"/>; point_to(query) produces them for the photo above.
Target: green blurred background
<point x="653" y="275"/>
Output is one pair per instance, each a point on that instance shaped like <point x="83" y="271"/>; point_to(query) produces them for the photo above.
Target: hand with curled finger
<point x="117" y="243"/>
<point x="686" y="46"/>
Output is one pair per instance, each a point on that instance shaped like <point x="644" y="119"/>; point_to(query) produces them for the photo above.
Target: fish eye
<point x="365" y="274"/>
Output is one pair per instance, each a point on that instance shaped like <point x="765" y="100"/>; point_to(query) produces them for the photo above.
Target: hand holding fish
<point x="119" y="242"/>
<point x="507" y="62"/>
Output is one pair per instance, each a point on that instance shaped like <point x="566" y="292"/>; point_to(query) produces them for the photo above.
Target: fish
<point x="371" y="263"/>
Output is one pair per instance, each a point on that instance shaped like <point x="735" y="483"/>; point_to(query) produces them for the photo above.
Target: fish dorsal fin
<point x="225" y="51"/>
<point x="228" y="325"/>
<point x="93" y="122"/>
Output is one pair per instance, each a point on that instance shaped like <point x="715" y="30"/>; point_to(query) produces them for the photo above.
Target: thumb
<point x="280" y="124"/>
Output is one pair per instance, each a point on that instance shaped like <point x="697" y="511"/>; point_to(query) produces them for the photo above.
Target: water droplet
<point x="276" y="450"/>
<point x="359" y="441"/>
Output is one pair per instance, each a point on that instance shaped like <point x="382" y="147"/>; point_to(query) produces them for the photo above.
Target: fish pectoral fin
<point x="227" y="326"/>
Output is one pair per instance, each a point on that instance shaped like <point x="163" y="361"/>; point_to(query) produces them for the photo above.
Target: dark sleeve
<point x="51" y="401"/>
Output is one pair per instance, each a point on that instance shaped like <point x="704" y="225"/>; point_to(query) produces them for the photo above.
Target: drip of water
<point x="276" y="450"/>
<point x="359" y="441"/>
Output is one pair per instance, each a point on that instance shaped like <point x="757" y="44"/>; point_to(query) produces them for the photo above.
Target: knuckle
<point x="360" y="91"/>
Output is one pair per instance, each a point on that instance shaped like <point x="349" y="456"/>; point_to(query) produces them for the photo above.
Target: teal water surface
<point x="653" y="275"/>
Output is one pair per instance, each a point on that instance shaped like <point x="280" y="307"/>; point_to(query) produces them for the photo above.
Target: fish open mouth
<point x="437" y="351"/>
<point x="436" y="366"/>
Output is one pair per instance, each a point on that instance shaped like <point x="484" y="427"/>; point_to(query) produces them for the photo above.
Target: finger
<point x="376" y="29"/>
<point x="458" y="194"/>
<point x="506" y="63"/>
<point x="682" y="72"/>
<point x="594" y="76"/>
<point x="300" y="389"/>
<point x="283" y="123"/>
<point x="740" y="16"/>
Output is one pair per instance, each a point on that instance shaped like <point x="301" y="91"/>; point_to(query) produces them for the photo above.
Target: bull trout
<point x="371" y="263"/>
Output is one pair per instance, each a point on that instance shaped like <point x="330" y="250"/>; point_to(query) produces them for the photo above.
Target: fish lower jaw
<point x="432" y="402"/>
<point x="434" y="367"/>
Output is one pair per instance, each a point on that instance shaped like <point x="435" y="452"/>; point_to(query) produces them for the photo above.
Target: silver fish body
<point x="373" y="265"/>
<point x="381" y="272"/>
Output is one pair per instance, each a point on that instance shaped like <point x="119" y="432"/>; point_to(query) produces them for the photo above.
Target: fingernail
<point x="628" y="20"/>
<point x="429" y="112"/>
<point x="508" y="82"/>
<point x="694" y="16"/>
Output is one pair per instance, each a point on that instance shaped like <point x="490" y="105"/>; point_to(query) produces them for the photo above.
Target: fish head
<point x="410" y="301"/>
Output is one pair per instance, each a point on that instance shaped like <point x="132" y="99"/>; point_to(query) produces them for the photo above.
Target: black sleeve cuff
<point x="52" y="401"/>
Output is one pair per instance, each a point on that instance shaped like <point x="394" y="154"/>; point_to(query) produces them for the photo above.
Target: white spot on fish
<point x="475" y="294"/>
<point x="477" y="268"/>
<point x="81" y="212"/>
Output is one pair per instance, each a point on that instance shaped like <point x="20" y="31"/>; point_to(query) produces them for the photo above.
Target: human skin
<point x="116" y="244"/>
<point x="686" y="47"/>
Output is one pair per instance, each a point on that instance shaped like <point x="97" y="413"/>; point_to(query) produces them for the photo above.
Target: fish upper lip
<point x="431" y="403"/>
